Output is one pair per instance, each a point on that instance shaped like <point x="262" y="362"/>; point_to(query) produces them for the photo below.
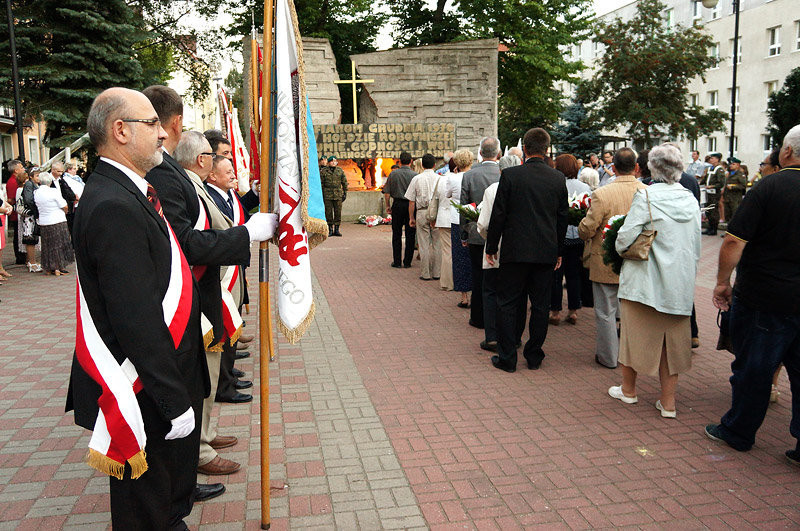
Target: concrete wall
<point x="455" y="82"/>
<point x="364" y="202"/>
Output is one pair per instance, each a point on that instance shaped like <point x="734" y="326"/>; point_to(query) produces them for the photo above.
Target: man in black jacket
<point x="69" y="195"/>
<point x="530" y="214"/>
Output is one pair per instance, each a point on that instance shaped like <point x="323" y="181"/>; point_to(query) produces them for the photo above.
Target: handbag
<point x="640" y="248"/>
<point x="433" y="204"/>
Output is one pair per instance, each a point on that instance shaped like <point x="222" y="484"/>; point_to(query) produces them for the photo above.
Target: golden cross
<point x="353" y="82"/>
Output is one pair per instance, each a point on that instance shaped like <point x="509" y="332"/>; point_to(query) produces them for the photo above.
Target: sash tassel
<point x="106" y="465"/>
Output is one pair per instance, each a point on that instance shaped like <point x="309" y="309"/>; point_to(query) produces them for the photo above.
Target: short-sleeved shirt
<point x="768" y="274"/>
<point x="421" y="188"/>
<point x="398" y="181"/>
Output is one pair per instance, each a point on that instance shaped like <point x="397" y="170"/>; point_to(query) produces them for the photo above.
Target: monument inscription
<point x="358" y="141"/>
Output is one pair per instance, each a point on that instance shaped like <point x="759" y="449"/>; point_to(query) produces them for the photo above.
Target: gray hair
<point x="792" y="140"/>
<point x="13" y="165"/>
<point x="515" y="151"/>
<point x="590" y="177"/>
<point x="490" y="147"/>
<point x="105" y="109"/>
<point x="509" y="160"/>
<point x="57" y="164"/>
<point x="192" y="143"/>
<point x="665" y="163"/>
<point x="71" y="166"/>
<point x="45" y="178"/>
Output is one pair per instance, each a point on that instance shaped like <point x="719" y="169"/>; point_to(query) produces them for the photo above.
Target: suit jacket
<point x="211" y="248"/>
<point x="473" y="184"/>
<point x="123" y="259"/>
<point x="66" y="193"/>
<point x="529" y="213"/>
<point x="225" y="209"/>
<point x="609" y="200"/>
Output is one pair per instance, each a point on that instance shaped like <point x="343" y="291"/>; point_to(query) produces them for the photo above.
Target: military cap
<point x="718" y="155"/>
<point x="732" y="160"/>
<point x="331" y="158"/>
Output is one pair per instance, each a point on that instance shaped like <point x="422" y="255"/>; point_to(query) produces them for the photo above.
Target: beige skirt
<point x="644" y="331"/>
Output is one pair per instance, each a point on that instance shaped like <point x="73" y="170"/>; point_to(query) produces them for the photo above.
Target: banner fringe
<point x="216" y="348"/>
<point x="208" y="338"/>
<point x="138" y="464"/>
<point x="293" y="335"/>
<point x="236" y="335"/>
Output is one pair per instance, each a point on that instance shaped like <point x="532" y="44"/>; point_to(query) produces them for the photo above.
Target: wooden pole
<point x="264" y="302"/>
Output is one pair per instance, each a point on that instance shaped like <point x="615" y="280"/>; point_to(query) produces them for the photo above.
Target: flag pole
<point x="264" y="300"/>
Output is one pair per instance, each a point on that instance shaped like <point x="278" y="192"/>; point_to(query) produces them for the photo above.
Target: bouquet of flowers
<point x="578" y="206"/>
<point x="470" y="211"/>
<point x="610" y="254"/>
<point x="371" y="221"/>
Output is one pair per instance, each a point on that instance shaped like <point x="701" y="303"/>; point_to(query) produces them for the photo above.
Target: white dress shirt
<point x="140" y="182"/>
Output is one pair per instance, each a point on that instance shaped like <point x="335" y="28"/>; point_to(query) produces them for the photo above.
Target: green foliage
<point x="68" y="52"/>
<point x="610" y="255"/>
<point x="157" y="60"/>
<point x="642" y="78"/>
<point x="784" y="108"/>
<point x="575" y="133"/>
<point x="234" y="84"/>
<point x="418" y="24"/>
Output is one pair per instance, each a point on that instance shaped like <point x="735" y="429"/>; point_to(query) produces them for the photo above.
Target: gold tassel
<point x="215" y="348"/>
<point x="236" y="335"/>
<point x="208" y="338"/>
<point x="138" y="464"/>
<point x="105" y="464"/>
<point x="295" y="334"/>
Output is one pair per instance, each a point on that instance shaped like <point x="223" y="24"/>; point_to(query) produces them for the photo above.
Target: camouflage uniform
<point x="734" y="191"/>
<point x="334" y="192"/>
<point x="714" y="187"/>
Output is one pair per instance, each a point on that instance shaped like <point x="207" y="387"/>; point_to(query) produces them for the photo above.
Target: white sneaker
<point x="666" y="413"/>
<point x="615" y="391"/>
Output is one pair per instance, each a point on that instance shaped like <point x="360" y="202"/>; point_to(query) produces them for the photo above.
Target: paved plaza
<point x="388" y="416"/>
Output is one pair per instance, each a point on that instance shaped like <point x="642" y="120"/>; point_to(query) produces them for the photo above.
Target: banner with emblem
<point x="298" y="192"/>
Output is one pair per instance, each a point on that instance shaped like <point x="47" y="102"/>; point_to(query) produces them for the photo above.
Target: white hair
<point x="792" y="140"/>
<point x="590" y="177"/>
<point x="45" y="179"/>
<point x="509" y="160"/>
<point x="665" y="163"/>
<point x="490" y="148"/>
<point x="191" y="144"/>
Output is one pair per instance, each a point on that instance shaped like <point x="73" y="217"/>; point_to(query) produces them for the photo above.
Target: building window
<point x="596" y="49"/>
<point x="771" y="86"/>
<point x="694" y="145"/>
<point x="713" y="100"/>
<point x="714" y="52"/>
<point x="669" y="15"/>
<point x="736" y="101"/>
<point x="774" y="41"/>
<point x="735" y="143"/>
<point x="697" y="10"/>
<point x="694" y="99"/>
<point x="711" y="143"/>
<point x="797" y="35"/>
<point x="738" y="51"/>
<point x="767" y="143"/>
<point x="33" y="148"/>
<point x="715" y="12"/>
<point x="6" y="148"/>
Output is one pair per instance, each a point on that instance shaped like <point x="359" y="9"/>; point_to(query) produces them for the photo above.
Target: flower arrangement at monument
<point x="372" y="221"/>
<point x="578" y="206"/>
<point x="610" y="255"/>
<point x="470" y="211"/>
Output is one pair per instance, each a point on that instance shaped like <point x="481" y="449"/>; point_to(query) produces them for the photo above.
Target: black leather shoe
<point x="237" y="373"/>
<point x="237" y="398"/>
<point x="398" y="266"/>
<point x="203" y="492"/>
<point x="534" y="366"/>
<point x="476" y="325"/>
<point x="243" y="384"/>
<point x="406" y="266"/>
<point x="242" y="354"/>
<point x="502" y="366"/>
<point x="491" y="346"/>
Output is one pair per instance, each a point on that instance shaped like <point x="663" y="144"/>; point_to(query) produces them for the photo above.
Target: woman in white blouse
<point x="56" y="243"/>
<point x="461" y="270"/>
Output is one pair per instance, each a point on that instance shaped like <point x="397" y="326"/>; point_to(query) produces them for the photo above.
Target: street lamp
<point x="710" y="4"/>
<point x="15" y="79"/>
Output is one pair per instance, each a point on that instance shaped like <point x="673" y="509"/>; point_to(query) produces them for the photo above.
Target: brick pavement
<point x="387" y="415"/>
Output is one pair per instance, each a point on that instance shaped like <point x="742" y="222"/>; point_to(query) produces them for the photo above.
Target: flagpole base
<point x="265" y="526"/>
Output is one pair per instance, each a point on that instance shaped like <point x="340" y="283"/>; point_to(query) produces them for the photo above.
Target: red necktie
<point x="152" y="196"/>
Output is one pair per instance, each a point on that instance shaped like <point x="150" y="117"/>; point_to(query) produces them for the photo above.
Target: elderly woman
<point x="26" y="210"/>
<point x="462" y="270"/>
<point x="590" y="177"/>
<point x="573" y="250"/>
<point x="656" y="295"/>
<point x="56" y="244"/>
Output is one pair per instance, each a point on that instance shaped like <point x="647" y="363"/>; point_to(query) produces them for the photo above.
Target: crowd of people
<point x="519" y="249"/>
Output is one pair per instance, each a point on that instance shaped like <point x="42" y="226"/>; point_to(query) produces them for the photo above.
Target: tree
<point x="418" y="25"/>
<point x="642" y="78"/>
<point x="575" y="133"/>
<point x="234" y="83"/>
<point x="68" y="52"/>
<point x="783" y="109"/>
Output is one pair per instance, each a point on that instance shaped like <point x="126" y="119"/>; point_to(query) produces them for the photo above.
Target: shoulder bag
<point x="433" y="204"/>
<point x="640" y="249"/>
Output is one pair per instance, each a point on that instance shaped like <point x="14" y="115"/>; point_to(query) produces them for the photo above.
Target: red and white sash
<point x="230" y="312"/>
<point x="119" y="435"/>
<point x="198" y="271"/>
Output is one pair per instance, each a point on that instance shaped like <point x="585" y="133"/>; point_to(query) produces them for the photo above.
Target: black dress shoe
<point x="243" y="384"/>
<point x="406" y="266"/>
<point x="534" y="366"/>
<point x="476" y="325"/>
<point x="203" y="492"/>
<point x="491" y="346"/>
<point x="237" y="398"/>
<point x="502" y="366"/>
<point x="398" y="266"/>
<point x="237" y="373"/>
<point x="242" y="354"/>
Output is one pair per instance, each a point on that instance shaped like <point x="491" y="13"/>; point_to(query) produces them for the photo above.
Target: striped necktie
<point x="152" y="196"/>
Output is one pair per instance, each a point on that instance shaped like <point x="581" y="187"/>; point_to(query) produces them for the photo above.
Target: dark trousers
<point x="587" y="293"/>
<point x="761" y="342"/>
<point x="333" y="211"/>
<point x="476" y="302"/>
<point x="226" y="382"/>
<point x="21" y="256"/>
<point x="571" y="271"/>
<point x="161" y="497"/>
<point x="693" y="323"/>
<point x="515" y="282"/>
<point x="490" y="307"/>
<point x="712" y="216"/>
<point x="400" y="220"/>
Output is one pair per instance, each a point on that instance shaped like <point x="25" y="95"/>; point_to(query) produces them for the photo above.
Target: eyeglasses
<point x="209" y="154"/>
<point x="762" y="164"/>
<point x="148" y="121"/>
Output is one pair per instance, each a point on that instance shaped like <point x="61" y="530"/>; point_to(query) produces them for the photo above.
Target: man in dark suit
<point x="473" y="185"/>
<point x="394" y="189"/>
<point x="530" y="214"/>
<point x="69" y="195"/>
<point x="124" y="257"/>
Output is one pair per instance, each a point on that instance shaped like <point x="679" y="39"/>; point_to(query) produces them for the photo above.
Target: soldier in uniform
<point x="334" y="192"/>
<point x="735" y="187"/>
<point x="715" y="183"/>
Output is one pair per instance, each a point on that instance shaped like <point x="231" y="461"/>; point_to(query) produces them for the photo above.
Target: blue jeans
<point x="761" y="342"/>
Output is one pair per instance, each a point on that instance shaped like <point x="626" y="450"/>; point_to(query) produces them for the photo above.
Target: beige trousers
<point x="429" y="255"/>
<point x="445" y="248"/>
<point x="208" y="431"/>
